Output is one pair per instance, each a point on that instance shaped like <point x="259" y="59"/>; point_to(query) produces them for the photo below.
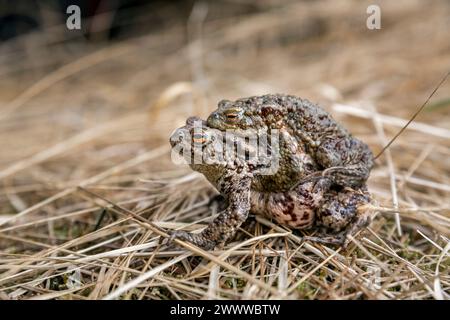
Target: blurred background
<point x="95" y="107"/>
<point x="58" y="82"/>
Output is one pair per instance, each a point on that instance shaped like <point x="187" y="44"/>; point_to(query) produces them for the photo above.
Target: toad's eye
<point x="199" y="137"/>
<point x="233" y="115"/>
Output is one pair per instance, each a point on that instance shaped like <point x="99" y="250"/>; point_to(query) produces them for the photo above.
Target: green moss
<point x="58" y="283"/>
<point x="233" y="283"/>
<point x="305" y="290"/>
<point x="409" y="255"/>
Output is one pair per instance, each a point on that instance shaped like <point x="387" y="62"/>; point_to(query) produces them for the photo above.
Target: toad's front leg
<point x="236" y="187"/>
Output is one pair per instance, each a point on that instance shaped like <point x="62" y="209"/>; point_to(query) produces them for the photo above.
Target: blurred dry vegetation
<point x="85" y="168"/>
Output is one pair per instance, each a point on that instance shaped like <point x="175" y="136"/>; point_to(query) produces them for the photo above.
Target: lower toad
<point x="239" y="173"/>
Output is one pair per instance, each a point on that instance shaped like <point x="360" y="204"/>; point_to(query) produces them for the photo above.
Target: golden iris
<point x="199" y="138"/>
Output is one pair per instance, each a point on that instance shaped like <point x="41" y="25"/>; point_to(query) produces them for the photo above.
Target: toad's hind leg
<point x="347" y="161"/>
<point x="343" y="213"/>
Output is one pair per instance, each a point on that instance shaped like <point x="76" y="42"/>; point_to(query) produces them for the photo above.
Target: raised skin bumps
<point x="341" y="158"/>
<point x="246" y="189"/>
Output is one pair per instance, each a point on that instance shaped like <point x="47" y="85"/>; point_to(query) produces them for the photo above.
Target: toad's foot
<point x="352" y="175"/>
<point x="338" y="239"/>
<point x="195" y="238"/>
<point x="321" y="183"/>
<point x="341" y="239"/>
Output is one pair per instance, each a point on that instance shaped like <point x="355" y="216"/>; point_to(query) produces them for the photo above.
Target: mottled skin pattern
<point x="245" y="189"/>
<point x="343" y="159"/>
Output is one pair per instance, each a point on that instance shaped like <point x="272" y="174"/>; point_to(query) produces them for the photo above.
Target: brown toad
<point x="239" y="171"/>
<point x="342" y="159"/>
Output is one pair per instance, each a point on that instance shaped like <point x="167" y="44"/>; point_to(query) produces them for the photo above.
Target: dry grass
<point x="88" y="187"/>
